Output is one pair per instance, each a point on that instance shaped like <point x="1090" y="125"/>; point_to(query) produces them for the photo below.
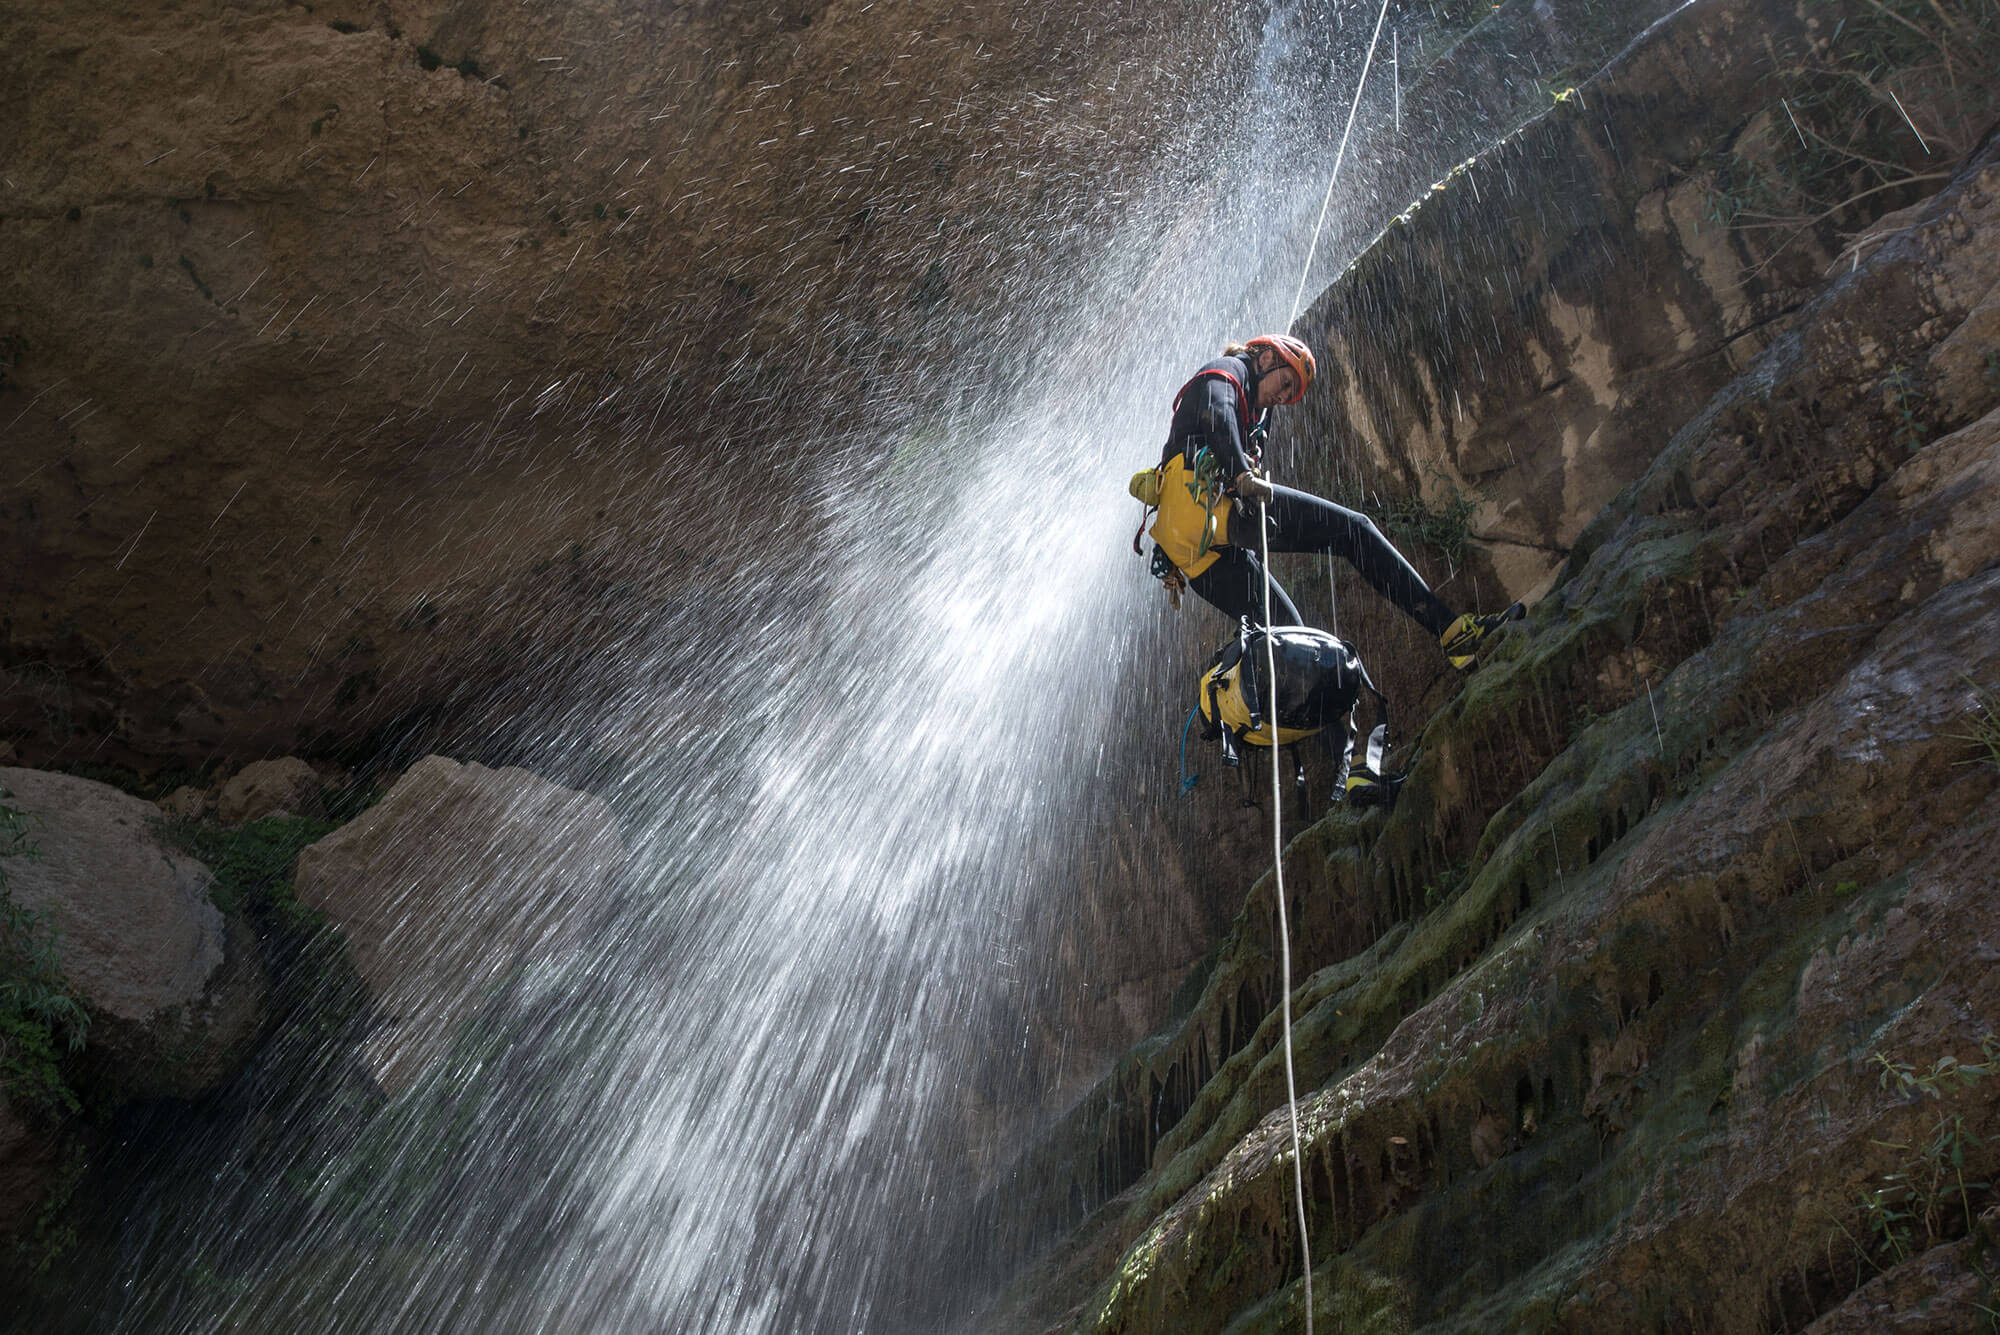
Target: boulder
<point x="267" y="788"/>
<point x="175" y="989"/>
<point x="186" y="802"/>
<point x="458" y="876"/>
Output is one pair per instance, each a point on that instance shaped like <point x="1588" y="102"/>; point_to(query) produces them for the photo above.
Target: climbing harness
<point x="1190" y="499"/>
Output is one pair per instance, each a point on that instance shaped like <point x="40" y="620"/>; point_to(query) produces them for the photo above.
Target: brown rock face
<point x="348" y="353"/>
<point x="1534" y="328"/>
<point x="174" y="988"/>
<point x="266" y="788"/>
<point x="460" y="874"/>
<point x="1587" y="1029"/>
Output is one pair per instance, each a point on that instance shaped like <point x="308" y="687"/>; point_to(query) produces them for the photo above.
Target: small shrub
<point x="1914" y="1207"/>
<point x="343" y="27"/>
<point x="1879" y="102"/>
<point x="1445" y="525"/>
<point x="1906" y="402"/>
<point x="252" y="865"/>
<point x="51" y="1236"/>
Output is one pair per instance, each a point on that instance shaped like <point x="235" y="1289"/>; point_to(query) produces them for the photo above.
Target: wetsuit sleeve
<point x="1207" y="419"/>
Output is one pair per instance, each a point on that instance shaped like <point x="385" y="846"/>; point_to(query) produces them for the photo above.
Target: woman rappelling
<point x="1209" y="480"/>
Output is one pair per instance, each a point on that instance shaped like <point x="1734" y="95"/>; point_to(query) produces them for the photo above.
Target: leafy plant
<point x="1911" y="1210"/>
<point x="1444" y="525"/>
<point x="253" y="865"/>
<point x="52" y="1234"/>
<point x="1906" y="401"/>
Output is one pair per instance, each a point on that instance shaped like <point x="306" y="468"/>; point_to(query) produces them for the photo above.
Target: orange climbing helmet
<point x="1293" y="354"/>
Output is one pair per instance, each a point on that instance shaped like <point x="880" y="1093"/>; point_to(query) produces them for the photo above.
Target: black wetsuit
<point x="1212" y="415"/>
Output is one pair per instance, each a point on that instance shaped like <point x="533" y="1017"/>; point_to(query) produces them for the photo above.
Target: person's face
<point x="1277" y="382"/>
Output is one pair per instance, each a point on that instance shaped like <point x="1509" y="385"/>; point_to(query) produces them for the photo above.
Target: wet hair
<point x="1236" y="349"/>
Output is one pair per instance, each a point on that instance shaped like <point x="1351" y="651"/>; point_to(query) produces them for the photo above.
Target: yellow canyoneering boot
<point x="1463" y="638"/>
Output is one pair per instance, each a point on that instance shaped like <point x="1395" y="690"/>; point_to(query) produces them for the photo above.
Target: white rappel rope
<point x="1284" y="926"/>
<point x="1338" y="158"/>
<point x="1271" y="676"/>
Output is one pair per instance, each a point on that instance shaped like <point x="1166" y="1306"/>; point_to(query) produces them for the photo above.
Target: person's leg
<point x="1302" y="522"/>
<point x="1235" y="584"/>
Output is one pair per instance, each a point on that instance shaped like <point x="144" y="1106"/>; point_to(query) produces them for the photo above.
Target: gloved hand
<point x="1253" y="488"/>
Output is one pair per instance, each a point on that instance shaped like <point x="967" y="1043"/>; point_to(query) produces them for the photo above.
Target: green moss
<point x="252" y="865"/>
<point x="41" y="1018"/>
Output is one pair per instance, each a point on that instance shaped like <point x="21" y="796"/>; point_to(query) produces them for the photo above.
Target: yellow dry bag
<point x="1193" y="517"/>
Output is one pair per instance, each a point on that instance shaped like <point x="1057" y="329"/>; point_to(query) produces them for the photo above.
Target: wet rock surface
<point x="269" y="787"/>
<point x="1537" y="324"/>
<point x="460" y="876"/>
<point x="174" y="986"/>
<point x="364" y="355"/>
<point x="1601" y="1029"/>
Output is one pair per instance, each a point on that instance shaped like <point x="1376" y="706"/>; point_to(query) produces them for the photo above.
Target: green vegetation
<point x="253" y="865"/>
<point x="1886" y="100"/>
<point x="1906" y="402"/>
<point x="1984" y="725"/>
<point x="319" y="1002"/>
<point x="40" y="1018"/>
<point x="51" y="1236"/>
<point x="1915" y="1205"/>
<point x="1445" y="525"/>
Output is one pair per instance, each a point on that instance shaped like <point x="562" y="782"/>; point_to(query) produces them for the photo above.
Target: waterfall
<point x="754" y="1092"/>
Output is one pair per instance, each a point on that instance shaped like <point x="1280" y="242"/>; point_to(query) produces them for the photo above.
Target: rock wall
<point x="368" y="354"/>
<point x="1588" y="1028"/>
<point x="1534" y="327"/>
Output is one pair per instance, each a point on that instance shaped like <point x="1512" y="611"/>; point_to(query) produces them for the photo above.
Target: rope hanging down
<point x="1338" y="158"/>
<point x="1271" y="675"/>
